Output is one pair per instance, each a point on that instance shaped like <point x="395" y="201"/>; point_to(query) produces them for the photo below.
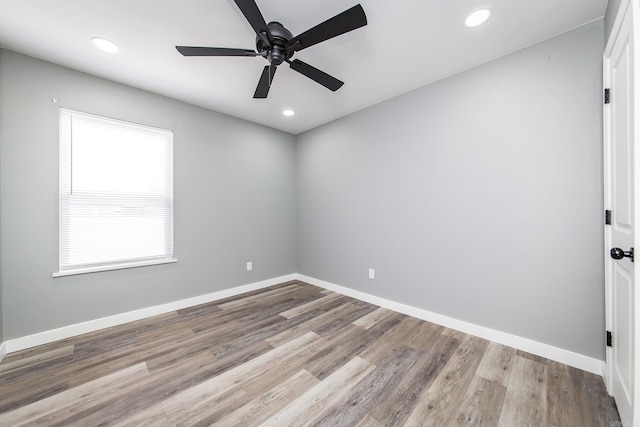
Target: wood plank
<point x="35" y="359"/>
<point x="85" y="363"/>
<point x="308" y="406"/>
<point x="566" y="396"/>
<point x="252" y="314"/>
<point x="393" y="338"/>
<point x="41" y="349"/>
<point x="215" y="409"/>
<point x="453" y="333"/>
<point x="438" y="404"/>
<point x="482" y="403"/>
<point x="313" y="323"/>
<point x="122" y="335"/>
<point x="20" y="394"/>
<point x="343" y="346"/>
<point x="397" y="406"/>
<point x="526" y="399"/>
<point x="496" y="364"/>
<point x="198" y="397"/>
<point x="81" y="397"/>
<point x="288" y="364"/>
<point x="261" y="332"/>
<point x="346" y="344"/>
<point x="332" y="327"/>
<point x="270" y="402"/>
<point x="261" y="297"/>
<point x="601" y="406"/>
<point x="112" y="361"/>
<point x="146" y="395"/>
<point x="532" y="357"/>
<point x="243" y="295"/>
<point x="148" y="391"/>
<point x="371" y="390"/>
<point x="145" y="419"/>
<point x="424" y="336"/>
<point x="369" y="421"/>
<point x="274" y="309"/>
<point x="372" y="318"/>
<point x="303" y="308"/>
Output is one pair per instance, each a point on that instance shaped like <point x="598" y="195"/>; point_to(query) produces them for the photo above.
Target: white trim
<point x="607" y="374"/>
<point x="65" y="332"/>
<point x="547" y="351"/>
<point x="3" y="350"/>
<point x="615" y="28"/>
<point x="113" y="267"/>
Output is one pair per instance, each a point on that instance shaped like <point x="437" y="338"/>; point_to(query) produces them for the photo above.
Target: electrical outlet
<point x="372" y="273"/>
<point x="249" y="266"/>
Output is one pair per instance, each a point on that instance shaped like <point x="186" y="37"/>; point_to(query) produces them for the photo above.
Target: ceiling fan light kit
<point x="277" y="44"/>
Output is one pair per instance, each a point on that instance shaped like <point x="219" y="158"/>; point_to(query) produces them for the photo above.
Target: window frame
<point x="65" y="170"/>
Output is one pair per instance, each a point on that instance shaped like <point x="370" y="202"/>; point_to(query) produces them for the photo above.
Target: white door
<point x="620" y="159"/>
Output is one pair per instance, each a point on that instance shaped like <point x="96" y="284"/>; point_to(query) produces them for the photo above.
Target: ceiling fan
<point x="277" y="45"/>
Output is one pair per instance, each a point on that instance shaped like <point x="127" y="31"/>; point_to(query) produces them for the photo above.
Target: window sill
<point x="113" y="267"/>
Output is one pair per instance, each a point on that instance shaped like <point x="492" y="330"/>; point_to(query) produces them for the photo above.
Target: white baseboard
<point x="3" y="350"/>
<point x="65" y="332"/>
<point x="567" y="357"/>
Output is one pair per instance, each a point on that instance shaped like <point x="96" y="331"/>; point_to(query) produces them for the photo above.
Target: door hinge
<point x="609" y="339"/>
<point x="607" y="217"/>
<point x="607" y="96"/>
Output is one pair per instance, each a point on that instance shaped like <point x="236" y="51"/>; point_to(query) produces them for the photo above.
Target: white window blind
<point x="116" y="193"/>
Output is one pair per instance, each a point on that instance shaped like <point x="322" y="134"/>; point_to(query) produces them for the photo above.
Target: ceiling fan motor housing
<point x="278" y="35"/>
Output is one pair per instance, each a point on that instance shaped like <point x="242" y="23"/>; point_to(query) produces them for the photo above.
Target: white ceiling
<point x="406" y="44"/>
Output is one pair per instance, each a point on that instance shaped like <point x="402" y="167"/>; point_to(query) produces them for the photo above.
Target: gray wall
<point x="477" y="197"/>
<point x="234" y="187"/>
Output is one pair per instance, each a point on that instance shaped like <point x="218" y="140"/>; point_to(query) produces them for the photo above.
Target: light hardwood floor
<point x="289" y="355"/>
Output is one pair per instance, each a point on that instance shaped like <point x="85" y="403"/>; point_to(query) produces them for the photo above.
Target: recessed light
<point x="104" y="44"/>
<point x="288" y="112"/>
<point x="477" y="17"/>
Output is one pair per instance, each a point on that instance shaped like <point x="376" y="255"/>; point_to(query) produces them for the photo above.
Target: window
<point x="116" y="194"/>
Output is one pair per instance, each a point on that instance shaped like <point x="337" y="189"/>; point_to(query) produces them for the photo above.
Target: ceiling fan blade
<point x="262" y="90"/>
<point x="214" y="51"/>
<point x="250" y="10"/>
<point x="342" y="23"/>
<point x="313" y="73"/>
<point x="272" y="73"/>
